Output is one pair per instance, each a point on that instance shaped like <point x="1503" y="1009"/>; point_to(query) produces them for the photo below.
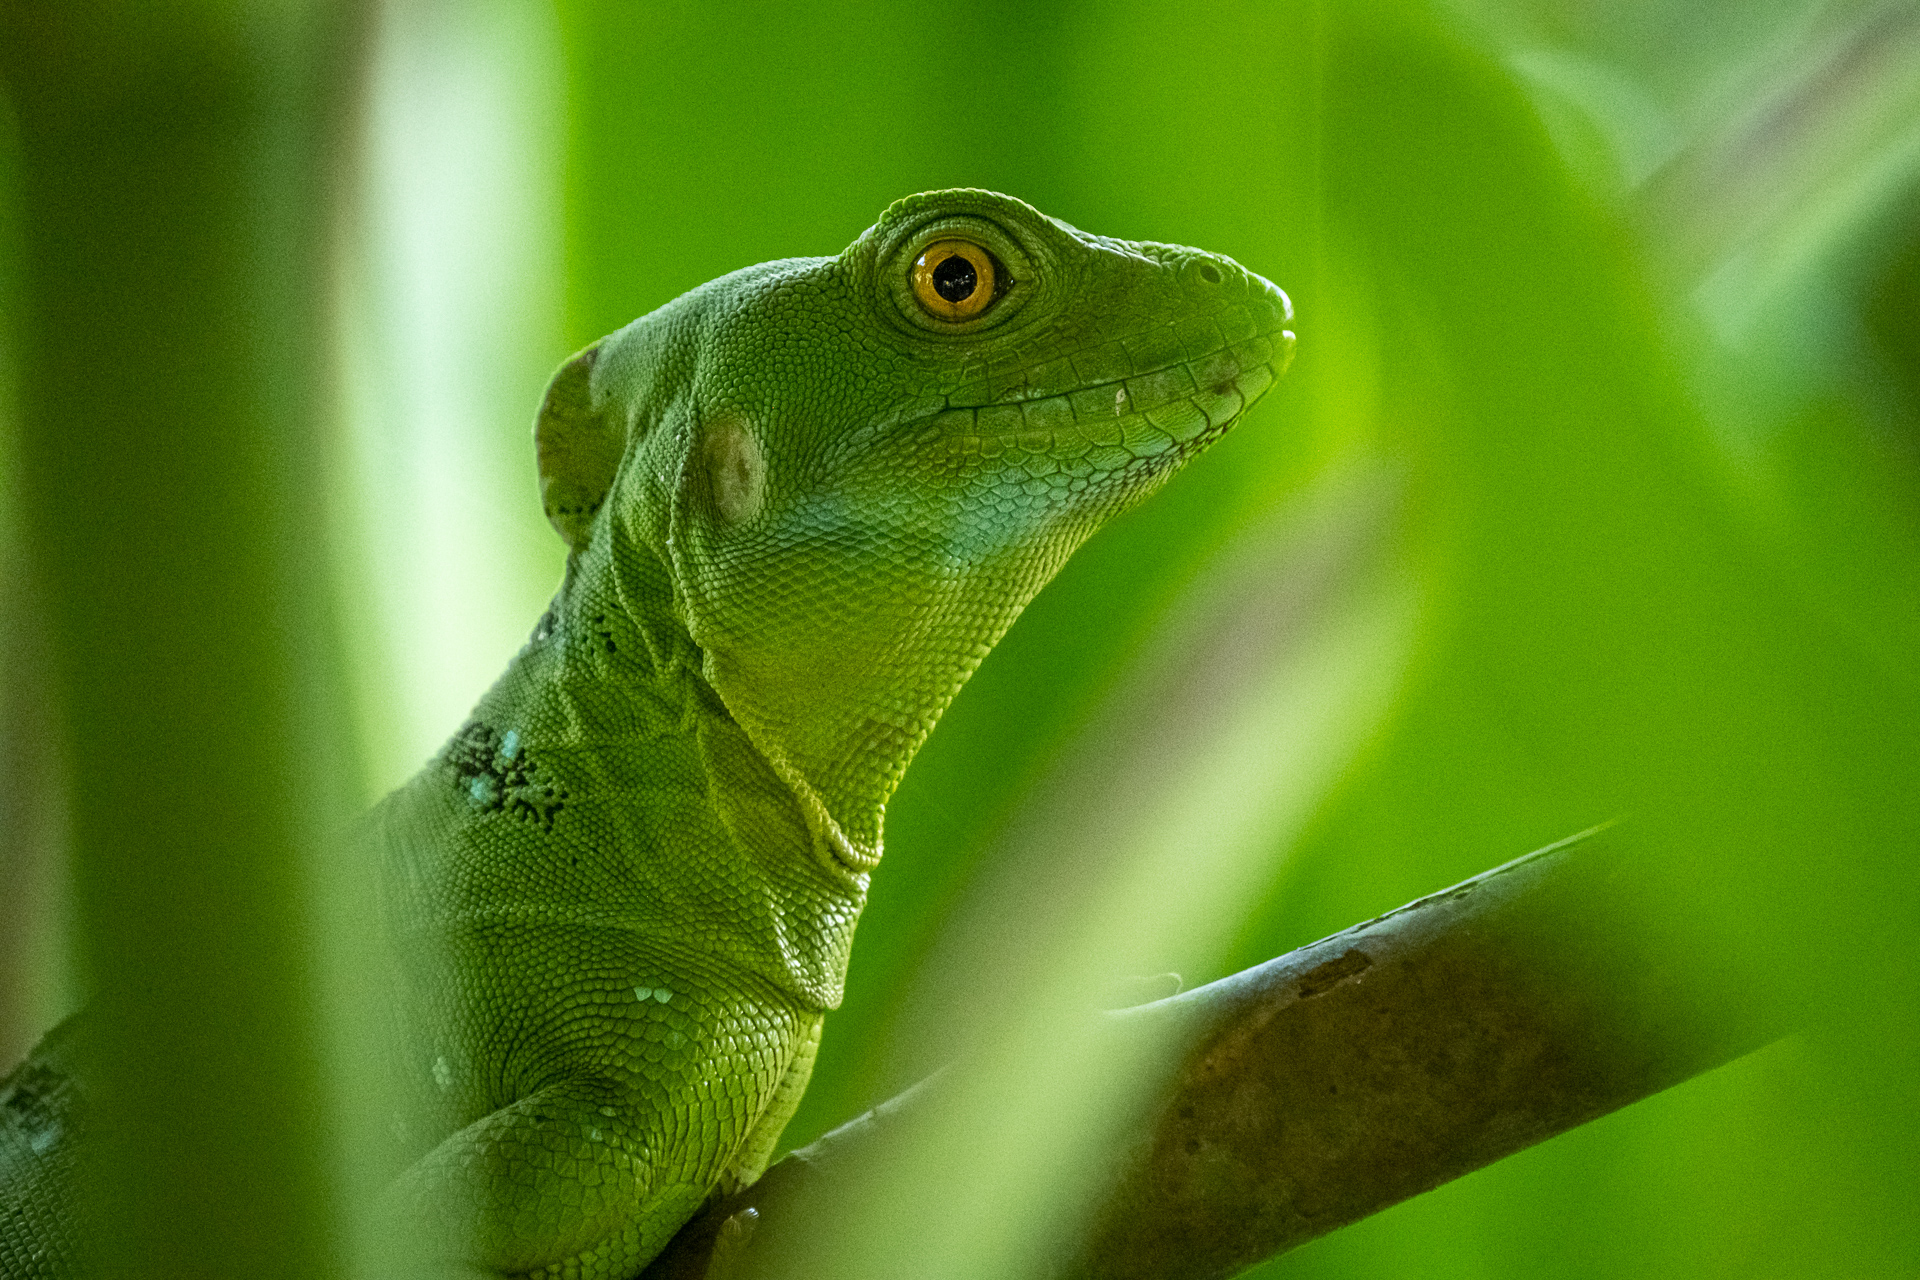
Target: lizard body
<point x="802" y="503"/>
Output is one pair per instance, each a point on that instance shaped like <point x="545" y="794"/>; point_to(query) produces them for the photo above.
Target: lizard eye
<point x="955" y="279"/>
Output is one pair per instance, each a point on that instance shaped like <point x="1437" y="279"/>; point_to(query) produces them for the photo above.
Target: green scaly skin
<point x="801" y="511"/>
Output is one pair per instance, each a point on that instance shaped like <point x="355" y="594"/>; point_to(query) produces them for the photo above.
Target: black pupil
<point x="955" y="279"/>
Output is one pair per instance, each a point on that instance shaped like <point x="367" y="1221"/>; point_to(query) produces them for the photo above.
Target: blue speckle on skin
<point x="662" y="994"/>
<point x="481" y="789"/>
<point x="643" y="994"/>
<point x="510" y="744"/>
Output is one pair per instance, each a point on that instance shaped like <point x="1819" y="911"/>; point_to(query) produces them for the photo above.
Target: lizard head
<point x="860" y="469"/>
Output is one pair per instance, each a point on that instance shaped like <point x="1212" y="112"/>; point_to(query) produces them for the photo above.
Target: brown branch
<point x="1346" y="1076"/>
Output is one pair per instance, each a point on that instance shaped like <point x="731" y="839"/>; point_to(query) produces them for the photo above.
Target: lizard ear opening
<point x="579" y="449"/>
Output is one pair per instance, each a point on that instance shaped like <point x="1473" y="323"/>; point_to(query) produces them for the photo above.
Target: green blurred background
<point x="1595" y="490"/>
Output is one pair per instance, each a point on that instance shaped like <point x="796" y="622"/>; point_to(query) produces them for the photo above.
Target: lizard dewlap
<point x="802" y="503"/>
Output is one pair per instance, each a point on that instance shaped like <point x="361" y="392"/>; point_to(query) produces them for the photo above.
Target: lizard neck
<point x="628" y="792"/>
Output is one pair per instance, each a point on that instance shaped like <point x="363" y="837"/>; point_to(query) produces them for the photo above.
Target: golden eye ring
<point x="955" y="280"/>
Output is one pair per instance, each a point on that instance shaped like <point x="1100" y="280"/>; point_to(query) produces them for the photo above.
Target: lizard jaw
<point x="1147" y="423"/>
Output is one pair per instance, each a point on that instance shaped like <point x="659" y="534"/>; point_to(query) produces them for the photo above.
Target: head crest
<point x="579" y="449"/>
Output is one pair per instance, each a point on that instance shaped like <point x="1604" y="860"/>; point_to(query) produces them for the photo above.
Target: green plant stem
<point x="176" y="170"/>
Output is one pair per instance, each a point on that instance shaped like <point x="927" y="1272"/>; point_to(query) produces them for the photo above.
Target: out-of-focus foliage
<point x="1593" y="492"/>
<point x="169" y="653"/>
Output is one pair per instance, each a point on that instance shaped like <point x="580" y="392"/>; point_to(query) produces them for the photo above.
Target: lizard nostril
<point x="1209" y="273"/>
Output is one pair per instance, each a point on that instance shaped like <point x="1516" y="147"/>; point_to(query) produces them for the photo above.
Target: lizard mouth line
<point x="1156" y="417"/>
<point x="1274" y="338"/>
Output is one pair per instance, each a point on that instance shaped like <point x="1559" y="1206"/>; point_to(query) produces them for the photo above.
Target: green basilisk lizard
<point x="801" y="502"/>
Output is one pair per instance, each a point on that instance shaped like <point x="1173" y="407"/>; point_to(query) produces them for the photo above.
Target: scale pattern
<point x="43" y="1105"/>
<point x="801" y="509"/>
